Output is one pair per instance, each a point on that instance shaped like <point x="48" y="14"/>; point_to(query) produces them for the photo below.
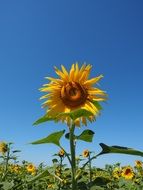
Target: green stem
<point x="73" y="160"/>
<point x="61" y="160"/>
<point x="67" y="155"/>
<point x="78" y="175"/>
<point x="6" y="163"/>
<point x="90" y="176"/>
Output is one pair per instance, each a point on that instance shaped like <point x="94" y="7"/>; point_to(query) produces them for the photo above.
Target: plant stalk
<point x="73" y="160"/>
<point x="90" y="170"/>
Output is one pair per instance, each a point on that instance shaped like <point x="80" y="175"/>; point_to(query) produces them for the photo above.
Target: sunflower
<point x="116" y="173"/>
<point x="85" y="153"/>
<point x="61" y="153"/>
<point x="3" y="147"/>
<point x="73" y="91"/>
<point x="127" y="172"/>
<point x="50" y="186"/>
<point x="31" y="169"/>
<point x="15" y="168"/>
<point x="138" y="164"/>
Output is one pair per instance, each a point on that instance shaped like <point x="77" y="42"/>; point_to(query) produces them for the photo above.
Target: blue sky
<point x="37" y="35"/>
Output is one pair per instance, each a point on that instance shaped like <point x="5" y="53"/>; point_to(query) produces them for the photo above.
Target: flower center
<point x="73" y="94"/>
<point x="128" y="171"/>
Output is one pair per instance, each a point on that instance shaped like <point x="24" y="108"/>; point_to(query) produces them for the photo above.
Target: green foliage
<point x="52" y="138"/>
<point x="118" y="149"/>
<point x="76" y="114"/>
<point x="45" y="173"/>
<point x="43" y="119"/>
<point x="86" y="135"/>
<point x="73" y="115"/>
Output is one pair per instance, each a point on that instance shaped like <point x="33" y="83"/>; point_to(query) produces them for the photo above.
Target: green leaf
<point x="55" y="160"/>
<point x="73" y="115"/>
<point x="39" y="176"/>
<point x="86" y="135"/>
<point x="76" y="114"/>
<point x="43" y="119"/>
<point x="119" y="149"/>
<point x="99" y="182"/>
<point x="7" y="185"/>
<point x="95" y="187"/>
<point x="15" y="151"/>
<point x="67" y="136"/>
<point x="52" y="138"/>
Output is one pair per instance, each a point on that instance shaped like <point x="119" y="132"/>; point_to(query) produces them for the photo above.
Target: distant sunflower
<point x="3" y="147"/>
<point x="85" y="153"/>
<point x="116" y="173"/>
<point x="61" y="153"/>
<point x="138" y="164"/>
<point x="72" y="91"/>
<point x="127" y="172"/>
<point x="31" y="169"/>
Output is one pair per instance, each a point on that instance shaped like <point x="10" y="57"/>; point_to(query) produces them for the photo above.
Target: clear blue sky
<point x="37" y="35"/>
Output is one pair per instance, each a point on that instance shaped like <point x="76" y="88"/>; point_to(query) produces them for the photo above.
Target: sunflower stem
<point x="73" y="160"/>
<point x="90" y="170"/>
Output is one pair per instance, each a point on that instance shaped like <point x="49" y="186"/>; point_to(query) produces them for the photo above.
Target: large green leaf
<point x="119" y="149"/>
<point x="52" y="138"/>
<point x="43" y="119"/>
<point x="86" y="135"/>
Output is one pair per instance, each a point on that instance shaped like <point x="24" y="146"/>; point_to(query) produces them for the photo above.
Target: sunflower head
<point x="15" y="168"/>
<point x="3" y="147"/>
<point x="85" y="153"/>
<point x="127" y="172"/>
<point x="138" y="164"/>
<point x="116" y="173"/>
<point x="61" y="153"/>
<point x="31" y="169"/>
<point x="50" y="185"/>
<point x="72" y="91"/>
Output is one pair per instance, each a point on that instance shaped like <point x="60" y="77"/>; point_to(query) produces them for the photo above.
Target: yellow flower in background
<point x="61" y="153"/>
<point x="50" y="186"/>
<point x="3" y="147"/>
<point x="31" y="169"/>
<point x="127" y="172"/>
<point x="71" y="91"/>
<point x="138" y="164"/>
<point x="15" y="168"/>
<point x="85" y="153"/>
<point x="116" y="173"/>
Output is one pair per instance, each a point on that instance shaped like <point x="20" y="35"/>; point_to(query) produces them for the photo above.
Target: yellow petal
<point x="60" y="74"/>
<point x="65" y="72"/>
<point x="76" y="72"/>
<point x="99" y="99"/>
<point x="96" y="91"/>
<point x="58" y="81"/>
<point x="93" y="80"/>
<point x="84" y="121"/>
<point x="71" y="75"/>
<point x="85" y="74"/>
<point x="89" y="108"/>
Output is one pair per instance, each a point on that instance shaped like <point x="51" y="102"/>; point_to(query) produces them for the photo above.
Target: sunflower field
<point x="74" y="99"/>
<point x="27" y="176"/>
